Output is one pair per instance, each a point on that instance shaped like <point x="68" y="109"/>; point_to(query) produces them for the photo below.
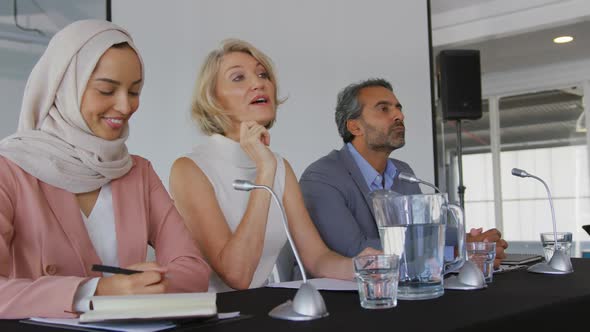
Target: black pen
<point x="113" y="269"/>
<point x="117" y="270"/>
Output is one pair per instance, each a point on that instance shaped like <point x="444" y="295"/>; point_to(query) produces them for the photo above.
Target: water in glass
<point x="377" y="288"/>
<point x="484" y="259"/>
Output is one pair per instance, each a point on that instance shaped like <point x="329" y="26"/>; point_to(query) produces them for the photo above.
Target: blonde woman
<point x="241" y="234"/>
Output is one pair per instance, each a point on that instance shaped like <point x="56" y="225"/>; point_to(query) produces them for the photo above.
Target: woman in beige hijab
<point x="71" y="196"/>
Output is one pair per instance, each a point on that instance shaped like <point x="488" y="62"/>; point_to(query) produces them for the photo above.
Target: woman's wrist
<point x="267" y="169"/>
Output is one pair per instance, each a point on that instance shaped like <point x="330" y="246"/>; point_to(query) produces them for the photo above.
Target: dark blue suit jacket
<point x="337" y="198"/>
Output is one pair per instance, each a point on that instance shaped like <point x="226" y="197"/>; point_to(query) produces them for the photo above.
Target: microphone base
<point x="560" y="263"/>
<point x="453" y="283"/>
<point x="285" y="311"/>
<point x="470" y="277"/>
<point x="545" y="268"/>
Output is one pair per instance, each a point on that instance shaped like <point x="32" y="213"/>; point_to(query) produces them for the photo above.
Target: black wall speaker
<point x="459" y="84"/>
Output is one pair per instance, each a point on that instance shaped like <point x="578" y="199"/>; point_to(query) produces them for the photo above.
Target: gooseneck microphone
<point x="470" y="277"/>
<point x="559" y="263"/>
<point x="411" y="178"/>
<point x="523" y="174"/>
<point x="308" y="303"/>
<point x="244" y="185"/>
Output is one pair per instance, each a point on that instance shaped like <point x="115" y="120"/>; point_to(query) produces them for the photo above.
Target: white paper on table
<point x="145" y="326"/>
<point x="109" y="326"/>
<point x="320" y="284"/>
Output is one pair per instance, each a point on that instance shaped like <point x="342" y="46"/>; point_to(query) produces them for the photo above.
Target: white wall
<point x="318" y="47"/>
<point x="11" y="92"/>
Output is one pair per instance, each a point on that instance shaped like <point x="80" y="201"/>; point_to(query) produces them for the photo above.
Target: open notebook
<point x="152" y="306"/>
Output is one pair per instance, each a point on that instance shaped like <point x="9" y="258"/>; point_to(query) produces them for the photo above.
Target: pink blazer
<point x="46" y="253"/>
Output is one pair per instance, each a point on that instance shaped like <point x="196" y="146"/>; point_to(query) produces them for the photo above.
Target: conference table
<point x="515" y="299"/>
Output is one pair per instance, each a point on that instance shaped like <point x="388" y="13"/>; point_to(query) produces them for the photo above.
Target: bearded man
<point x="336" y="187"/>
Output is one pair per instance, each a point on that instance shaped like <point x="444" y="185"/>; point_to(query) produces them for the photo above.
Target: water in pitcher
<point x="421" y="251"/>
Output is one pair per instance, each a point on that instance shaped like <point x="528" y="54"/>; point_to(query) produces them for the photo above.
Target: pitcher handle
<point x="459" y="217"/>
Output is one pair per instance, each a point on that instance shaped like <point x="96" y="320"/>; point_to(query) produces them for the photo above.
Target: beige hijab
<point x="53" y="142"/>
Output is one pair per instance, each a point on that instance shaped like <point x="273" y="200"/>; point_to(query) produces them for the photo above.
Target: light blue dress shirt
<point x="373" y="179"/>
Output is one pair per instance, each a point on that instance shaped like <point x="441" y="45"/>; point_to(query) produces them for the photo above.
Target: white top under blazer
<point x="223" y="161"/>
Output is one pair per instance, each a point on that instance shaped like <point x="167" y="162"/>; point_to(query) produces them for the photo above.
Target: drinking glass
<point x="564" y="242"/>
<point x="483" y="255"/>
<point x="377" y="277"/>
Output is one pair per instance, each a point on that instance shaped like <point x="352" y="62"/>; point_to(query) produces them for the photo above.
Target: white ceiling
<point x="518" y="50"/>
<point x="534" y="48"/>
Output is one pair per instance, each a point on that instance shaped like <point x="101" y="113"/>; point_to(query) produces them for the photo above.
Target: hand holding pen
<point x="142" y="278"/>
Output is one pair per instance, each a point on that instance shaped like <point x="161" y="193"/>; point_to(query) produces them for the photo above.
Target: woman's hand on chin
<point x="254" y="140"/>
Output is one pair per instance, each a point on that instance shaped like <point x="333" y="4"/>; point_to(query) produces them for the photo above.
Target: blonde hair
<point x="205" y="109"/>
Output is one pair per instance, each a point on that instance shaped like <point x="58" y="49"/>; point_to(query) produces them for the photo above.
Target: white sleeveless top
<point x="223" y="161"/>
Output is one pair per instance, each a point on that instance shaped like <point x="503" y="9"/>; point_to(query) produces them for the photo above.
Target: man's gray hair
<point x="348" y="106"/>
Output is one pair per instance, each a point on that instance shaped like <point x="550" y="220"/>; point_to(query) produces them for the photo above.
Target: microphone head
<point x="243" y="185"/>
<point x="408" y="177"/>
<point x="519" y="172"/>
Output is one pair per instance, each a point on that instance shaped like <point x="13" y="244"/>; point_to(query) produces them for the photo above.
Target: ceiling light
<point x="563" y="39"/>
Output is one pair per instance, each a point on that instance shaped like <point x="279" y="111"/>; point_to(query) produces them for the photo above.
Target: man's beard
<point x="392" y="140"/>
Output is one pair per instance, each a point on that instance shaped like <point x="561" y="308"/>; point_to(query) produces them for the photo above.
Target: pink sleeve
<point x="174" y="245"/>
<point x="42" y="297"/>
<point x="46" y="296"/>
